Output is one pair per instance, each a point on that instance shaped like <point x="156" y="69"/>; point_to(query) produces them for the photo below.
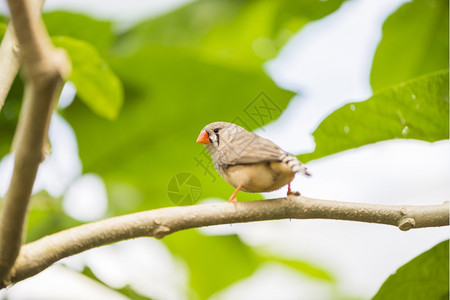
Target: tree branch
<point x="38" y="255"/>
<point x="45" y="69"/>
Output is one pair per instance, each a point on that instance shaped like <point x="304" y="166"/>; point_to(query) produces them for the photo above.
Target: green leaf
<point x="9" y="115"/>
<point x="2" y="30"/>
<point x="126" y="290"/>
<point x="96" y="32"/>
<point x="215" y="262"/>
<point x="46" y="216"/>
<point x="417" y="109"/>
<point x="305" y="268"/>
<point x="415" y="42"/>
<point x="96" y="84"/>
<point x="242" y="33"/>
<point x="425" y="277"/>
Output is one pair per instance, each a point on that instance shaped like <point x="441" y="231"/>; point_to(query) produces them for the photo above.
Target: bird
<point x="247" y="161"/>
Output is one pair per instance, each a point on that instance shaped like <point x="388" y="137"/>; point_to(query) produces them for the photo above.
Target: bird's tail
<point x="295" y="164"/>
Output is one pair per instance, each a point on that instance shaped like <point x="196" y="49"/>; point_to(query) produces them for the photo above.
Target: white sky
<point x="329" y="61"/>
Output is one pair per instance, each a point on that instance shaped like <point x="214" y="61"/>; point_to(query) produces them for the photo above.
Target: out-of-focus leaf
<point x="303" y="267"/>
<point x="417" y="109"/>
<point x="96" y="84"/>
<point x="46" y="217"/>
<point x="126" y="290"/>
<point x="171" y="94"/>
<point x="415" y="42"/>
<point x="9" y="112"/>
<point x="2" y="29"/>
<point x="9" y="115"/>
<point x="96" y="32"/>
<point x="215" y="262"/>
<point x="425" y="277"/>
<point x="237" y="32"/>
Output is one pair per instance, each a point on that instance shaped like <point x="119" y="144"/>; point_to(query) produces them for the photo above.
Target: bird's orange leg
<point x="232" y="198"/>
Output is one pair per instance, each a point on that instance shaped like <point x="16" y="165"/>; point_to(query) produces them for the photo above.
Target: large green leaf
<point x="417" y="109"/>
<point x="306" y="268"/>
<point x="215" y="262"/>
<point x="9" y="115"/>
<point x="425" y="277"/>
<point x="126" y="290"/>
<point x="9" y="112"/>
<point x="2" y="29"/>
<point x="96" y="32"/>
<point x="46" y="216"/>
<point x="237" y="32"/>
<point x="96" y="84"/>
<point x="415" y="42"/>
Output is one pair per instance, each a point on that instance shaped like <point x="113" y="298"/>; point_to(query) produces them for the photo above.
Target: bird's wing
<point x="248" y="148"/>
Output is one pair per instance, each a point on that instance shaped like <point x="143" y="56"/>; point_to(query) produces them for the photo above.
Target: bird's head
<point x="218" y="134"/>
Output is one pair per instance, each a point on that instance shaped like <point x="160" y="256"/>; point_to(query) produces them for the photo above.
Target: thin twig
<point x="38" y="255"/>
<point x="9" y="55"/>
<point x="45" y="69"/>
<point x="9" y="63"/>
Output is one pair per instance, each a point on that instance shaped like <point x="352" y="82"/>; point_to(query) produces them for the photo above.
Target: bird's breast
<point x="259" y="177"/>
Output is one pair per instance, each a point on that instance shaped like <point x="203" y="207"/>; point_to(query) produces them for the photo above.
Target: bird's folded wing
<point x="249" y="148"/>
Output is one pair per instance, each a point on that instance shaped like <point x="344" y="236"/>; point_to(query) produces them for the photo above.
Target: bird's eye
<point x="216" y="130"/>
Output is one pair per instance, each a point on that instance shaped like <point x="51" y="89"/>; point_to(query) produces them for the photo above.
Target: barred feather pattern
<point x="294" y="164"/>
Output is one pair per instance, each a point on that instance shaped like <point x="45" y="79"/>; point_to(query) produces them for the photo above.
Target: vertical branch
<point x="45" y="70"/>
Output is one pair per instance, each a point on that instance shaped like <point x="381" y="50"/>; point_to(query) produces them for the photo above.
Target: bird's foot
<point x="291" y="195"/>
<point x="233" y="200"/>
<point x="290" y="192"/>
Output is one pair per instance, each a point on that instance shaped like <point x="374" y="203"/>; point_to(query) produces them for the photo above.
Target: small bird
<point x="247" y="161"/>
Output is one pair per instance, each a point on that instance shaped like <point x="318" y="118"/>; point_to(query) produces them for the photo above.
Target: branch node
<point x="407" y="224"/>
<point x="62" y="62"/>
<point x="16" y="49"/>
<point x="404" y="211"/>
<point x="161" y="231"/>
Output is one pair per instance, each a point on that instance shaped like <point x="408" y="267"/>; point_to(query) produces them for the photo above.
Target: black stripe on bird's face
<point x="216" y="131"/>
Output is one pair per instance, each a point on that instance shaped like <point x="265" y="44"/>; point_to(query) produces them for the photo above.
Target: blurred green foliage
<point x="127" y="290"/>
<point x="218" y="261"/>
<point x="425" y="277"/>
<point x="241" y="34"/>
<point x="2" y="29"/>
<point x="147" y="91"/>
<point x="98" y="33"/>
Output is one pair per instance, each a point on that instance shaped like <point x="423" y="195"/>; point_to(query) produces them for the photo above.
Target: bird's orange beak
<point x="203" y="137"/>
